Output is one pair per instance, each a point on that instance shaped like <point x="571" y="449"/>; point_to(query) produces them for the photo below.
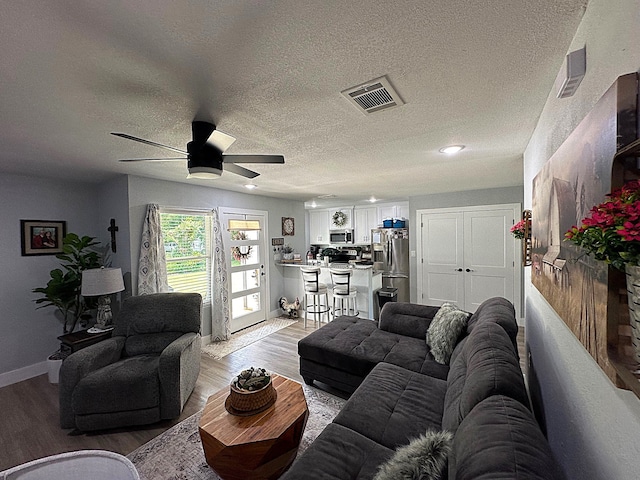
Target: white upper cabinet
<point x="341" y="218"/>
<point x="365" y="219"/>
<point x="390" y="210"/>
<point x="319" y="227"/>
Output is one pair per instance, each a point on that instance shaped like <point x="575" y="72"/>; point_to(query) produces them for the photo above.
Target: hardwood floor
<point x="29" y="427"/>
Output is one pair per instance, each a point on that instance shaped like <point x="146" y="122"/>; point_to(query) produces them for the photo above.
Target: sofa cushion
<point x="129" y="384"/>
<point x="393" y="405"/>
<point x="496" y="310"/>
<point x="339" y="454"/>
<point x="444" y="331"/>
<point x="501" y="439"/>
<point x="424" y="458"/>
<point x="486" y="365"/>
<point x="410" y="319"/>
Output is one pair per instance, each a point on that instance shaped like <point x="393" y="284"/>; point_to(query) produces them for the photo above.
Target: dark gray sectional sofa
<point x="400" y="391"/>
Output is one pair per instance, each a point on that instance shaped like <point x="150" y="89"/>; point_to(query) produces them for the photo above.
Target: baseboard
<point x="24" y="373"/>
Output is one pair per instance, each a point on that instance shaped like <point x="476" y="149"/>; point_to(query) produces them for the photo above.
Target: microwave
<point x="341" y="236"/>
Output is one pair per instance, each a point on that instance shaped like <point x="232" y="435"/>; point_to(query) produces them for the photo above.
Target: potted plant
<point x="287" y="252"/>
<point x="611" y="233"/>
<point x="63" y="291"/>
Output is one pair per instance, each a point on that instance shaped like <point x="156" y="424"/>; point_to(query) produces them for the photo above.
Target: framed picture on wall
<point x="42" y="237"/>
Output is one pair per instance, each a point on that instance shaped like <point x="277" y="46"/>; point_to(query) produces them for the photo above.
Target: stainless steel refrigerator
<point x="390" y="255"/>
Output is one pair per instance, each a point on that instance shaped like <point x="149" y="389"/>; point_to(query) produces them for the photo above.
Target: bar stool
<point x="344" y="292"/>
<point x="316" y="290"/>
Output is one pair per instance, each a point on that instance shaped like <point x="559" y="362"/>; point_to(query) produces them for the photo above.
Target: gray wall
<point x="28" y="336"/>
<point x="593" y="427"/>
<point x="468" y="198"/>
<point x="143" y="191"/>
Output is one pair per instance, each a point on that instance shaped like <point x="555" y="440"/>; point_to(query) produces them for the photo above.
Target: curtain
<point x="152" y="267"/>
<point x="220" y="318"/>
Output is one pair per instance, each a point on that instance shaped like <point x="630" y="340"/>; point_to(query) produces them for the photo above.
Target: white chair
<point x="316" y="291"/>
<point x="343" y="292"/>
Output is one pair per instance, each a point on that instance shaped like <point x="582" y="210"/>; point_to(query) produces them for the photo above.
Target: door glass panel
<point x="245" y="249"/>
<point x="242" y="306"/>
<point x="245" y="280"/>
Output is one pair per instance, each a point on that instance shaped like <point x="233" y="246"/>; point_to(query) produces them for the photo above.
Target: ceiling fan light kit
<point x="205" y="153"/>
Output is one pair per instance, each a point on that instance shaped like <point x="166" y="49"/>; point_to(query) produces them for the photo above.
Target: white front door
<point x="246" y="263"/>
<point x="467" y="255"/>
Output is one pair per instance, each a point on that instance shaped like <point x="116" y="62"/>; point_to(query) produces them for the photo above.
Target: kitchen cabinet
<point x="347" y="218"/>
<point x="319" y="227"/>
<point x="365" y="219"/>
<point x="400" y="210"/>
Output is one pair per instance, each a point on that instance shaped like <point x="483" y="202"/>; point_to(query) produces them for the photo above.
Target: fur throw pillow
<point x="444" y="330"/>
<point x="425" y="458"/>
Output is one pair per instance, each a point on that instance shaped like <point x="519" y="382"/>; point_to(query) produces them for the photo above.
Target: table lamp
<point x="102" y="282"/>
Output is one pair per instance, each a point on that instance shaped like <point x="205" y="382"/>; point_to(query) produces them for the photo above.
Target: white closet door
<point x="488" y="256"/>
<point x="442" y="259"/>
<point x="467" y="255"/>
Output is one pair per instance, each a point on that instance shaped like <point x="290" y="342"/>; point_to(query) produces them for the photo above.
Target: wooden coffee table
<point x="260" y="446"/>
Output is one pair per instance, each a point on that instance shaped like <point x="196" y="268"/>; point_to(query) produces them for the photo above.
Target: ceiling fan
<point x="205" y="153"/>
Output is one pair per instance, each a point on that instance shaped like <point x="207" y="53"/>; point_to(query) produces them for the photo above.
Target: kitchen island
<point x="364" y="279"/>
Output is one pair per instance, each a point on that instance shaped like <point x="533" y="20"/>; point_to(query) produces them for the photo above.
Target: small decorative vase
<point x="633" y="299"/>
<point x="287" y="256"/>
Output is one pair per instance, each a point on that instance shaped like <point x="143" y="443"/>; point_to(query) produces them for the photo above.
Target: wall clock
<point x="288" y="226"/>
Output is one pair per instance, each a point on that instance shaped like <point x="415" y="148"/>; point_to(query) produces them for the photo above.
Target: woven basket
<point x="245" y="401"/>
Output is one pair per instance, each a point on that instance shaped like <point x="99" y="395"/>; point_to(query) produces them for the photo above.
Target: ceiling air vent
<point x="373" y="96"/>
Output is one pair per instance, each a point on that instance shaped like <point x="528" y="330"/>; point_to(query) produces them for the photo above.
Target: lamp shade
<point x="101" y="281"/>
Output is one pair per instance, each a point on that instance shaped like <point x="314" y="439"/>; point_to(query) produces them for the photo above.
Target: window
<point x="187" y="246"/>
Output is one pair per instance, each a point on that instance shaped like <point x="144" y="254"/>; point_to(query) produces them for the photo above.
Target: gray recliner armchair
<point x="143" y="374"/>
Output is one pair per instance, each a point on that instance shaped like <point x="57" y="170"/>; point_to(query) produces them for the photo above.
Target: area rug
<point x="245" y="337"/>
<point x="177" y="453"/>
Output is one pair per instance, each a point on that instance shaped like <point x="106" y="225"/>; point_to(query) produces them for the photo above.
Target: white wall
<point x="592" y="426"/>
<point x="28" y="336"/>
<point x="143" y="191"/>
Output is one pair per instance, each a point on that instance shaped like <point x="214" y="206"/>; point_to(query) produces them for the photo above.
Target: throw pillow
<point x="425" y="458"/>
<point x="444" y="330"/>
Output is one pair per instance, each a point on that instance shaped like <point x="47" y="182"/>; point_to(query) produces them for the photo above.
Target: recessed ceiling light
<point x="451" y="149"/>
<point x="250" y="186"/>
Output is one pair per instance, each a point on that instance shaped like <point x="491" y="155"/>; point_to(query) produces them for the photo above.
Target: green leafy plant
<point x="612" y="231"/>
<point x="63" y="289"/>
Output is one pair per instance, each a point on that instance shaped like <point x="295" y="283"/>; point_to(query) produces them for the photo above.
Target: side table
<point x="72" y="342"/>
<point x="260" y="446"/>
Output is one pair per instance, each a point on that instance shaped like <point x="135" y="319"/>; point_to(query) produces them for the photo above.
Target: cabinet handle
<point x="469" y="270"/>
<point x="458" y="269"/>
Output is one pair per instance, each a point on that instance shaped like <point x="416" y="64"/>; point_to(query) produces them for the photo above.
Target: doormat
<point x="245" y="337"/>
<point x="177" y="453"/>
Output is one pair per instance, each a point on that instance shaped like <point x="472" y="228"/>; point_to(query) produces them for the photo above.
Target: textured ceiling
<point x="270" y="73"/>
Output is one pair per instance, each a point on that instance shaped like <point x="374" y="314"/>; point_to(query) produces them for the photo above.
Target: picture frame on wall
<point x="42" y="237"/>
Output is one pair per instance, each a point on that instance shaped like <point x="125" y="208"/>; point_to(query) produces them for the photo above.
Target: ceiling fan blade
<point x="238" y="170"/>
<point x="153" y="159"/>
<point x="239" y="158"/>
<point x="148" y="142"/>
<point x="221" y="140"/>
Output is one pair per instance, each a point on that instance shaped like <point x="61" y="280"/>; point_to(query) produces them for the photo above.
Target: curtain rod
<point x="187" y="209"/>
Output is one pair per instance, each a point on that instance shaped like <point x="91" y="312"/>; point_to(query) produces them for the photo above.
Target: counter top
<point x="304" y="264"/>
